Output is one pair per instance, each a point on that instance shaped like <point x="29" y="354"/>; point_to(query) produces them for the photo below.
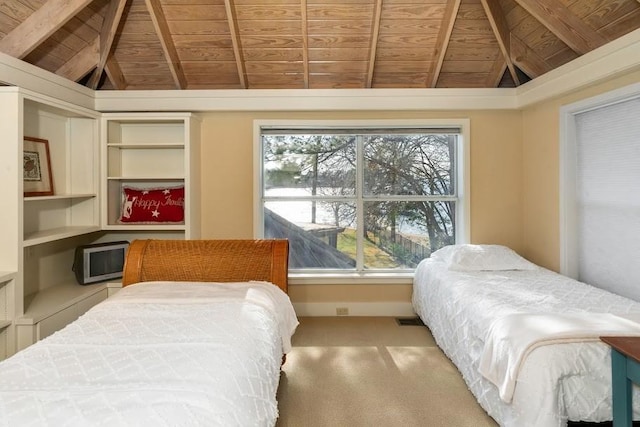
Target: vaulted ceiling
<point x="239" y="44"/>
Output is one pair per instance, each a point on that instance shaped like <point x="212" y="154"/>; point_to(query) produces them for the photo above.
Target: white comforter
<point x="511" y="338"/>
<point x="555" y="383"/>
<point x="157" y="354"/>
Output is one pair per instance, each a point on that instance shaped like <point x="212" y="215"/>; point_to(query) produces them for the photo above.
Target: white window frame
<point x="463" y="205"/>
<point x="568" y="158"/>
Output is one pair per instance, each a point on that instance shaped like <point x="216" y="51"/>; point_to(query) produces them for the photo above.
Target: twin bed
<point x="200" y="337"/>
<point x="525" y="339"/>
<point x="198" y="340"/>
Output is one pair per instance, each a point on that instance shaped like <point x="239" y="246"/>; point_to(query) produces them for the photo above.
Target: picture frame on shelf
<point x="37" y="177"/>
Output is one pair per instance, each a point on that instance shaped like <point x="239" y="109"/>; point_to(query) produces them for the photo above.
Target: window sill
<point x="351" y="279"/>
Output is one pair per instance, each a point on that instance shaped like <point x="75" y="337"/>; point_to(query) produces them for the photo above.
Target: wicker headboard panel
<point x="207" y="261"/>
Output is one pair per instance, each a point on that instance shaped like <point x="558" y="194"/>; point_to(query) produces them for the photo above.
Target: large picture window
<point x="360" y="199"/>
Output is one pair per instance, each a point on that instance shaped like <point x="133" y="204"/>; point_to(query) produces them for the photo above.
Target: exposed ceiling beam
<point x="39" y="26"/>
<point x="498" y="23"/>
<point x="564" y="24"/>
<point x="164" y="34"/>
<point x="527" y="60"/>
<point x="81" y="63"/>
<point x="107" y="36"/>
<point x="235" y="41"/>
<point x="114" y="73"/>
<point x="497" y="71"/>
<point x="375" y="30"/>
<point x="305" y="42"/>
<point x="442" y="41"/>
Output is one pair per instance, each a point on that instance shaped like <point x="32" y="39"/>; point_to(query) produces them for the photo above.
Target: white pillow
<point x="481" y="258"/>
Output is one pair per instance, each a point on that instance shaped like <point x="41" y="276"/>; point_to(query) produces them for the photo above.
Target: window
<point x="600" y="213"/>
<point x="360" y="198"/>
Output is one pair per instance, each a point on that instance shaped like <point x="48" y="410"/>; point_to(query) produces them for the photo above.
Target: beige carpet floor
<point x="369" y="371"/>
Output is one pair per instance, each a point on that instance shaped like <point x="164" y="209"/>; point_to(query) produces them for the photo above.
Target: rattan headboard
<point x="207" y="261"/>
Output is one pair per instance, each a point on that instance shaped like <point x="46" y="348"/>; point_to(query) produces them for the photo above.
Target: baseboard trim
<point x="318" y="309"/>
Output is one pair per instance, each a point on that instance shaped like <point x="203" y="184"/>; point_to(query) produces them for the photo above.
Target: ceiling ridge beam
<point x="164" y="34"/>
<point x="107" y="36"/>
<point x="305" y="42"/>
<point x="564" y="24"/>
<point x="442" y="42"/>
<point x="501" y="30"/>
<point x="375" y="31"/>
<point x="81" y="63"/>
<point x="39" y="26"/>
<point x="235" y="41"/>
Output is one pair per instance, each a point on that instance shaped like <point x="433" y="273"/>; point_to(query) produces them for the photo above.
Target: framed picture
<point x="37" y="167"/>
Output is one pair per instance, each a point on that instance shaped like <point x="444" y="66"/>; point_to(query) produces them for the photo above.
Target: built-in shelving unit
<point x="53" y="234"/>
<point x="5" y="276"/>
<point x="93" y="156"/>
<point x="51" y="309"/>
<point x="7" y="279"/>
<point x="41" y="233"/>
<point x="146" y="151"/>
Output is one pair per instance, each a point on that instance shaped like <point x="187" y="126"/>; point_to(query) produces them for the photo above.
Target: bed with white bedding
<point x="162" y="353"/>
<point x="533" y="332"/>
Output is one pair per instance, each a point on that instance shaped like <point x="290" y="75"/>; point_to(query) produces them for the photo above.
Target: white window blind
<point x="608" y="197"/>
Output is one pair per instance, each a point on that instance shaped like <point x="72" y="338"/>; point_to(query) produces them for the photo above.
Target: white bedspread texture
<point x="161" y="354"/>
<point x="555" y="383"/>
<point x="512" y="337"/>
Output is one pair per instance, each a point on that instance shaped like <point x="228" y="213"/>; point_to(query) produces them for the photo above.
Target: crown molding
<point x="613" y="59"/>
<point x="307" y="99"/>
<point x="15" y="72"/>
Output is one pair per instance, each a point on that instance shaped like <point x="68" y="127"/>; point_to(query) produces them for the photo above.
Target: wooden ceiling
<point x="239" y="44"/>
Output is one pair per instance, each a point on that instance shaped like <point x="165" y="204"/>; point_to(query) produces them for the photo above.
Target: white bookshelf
<point x="93" y="156"/>
<point x="5" y="276"/>
<point x="151" y="150"/>
<point x="52" y="234"/>
<point x="40" y="233"/>
<point x="7" y="279"/>
<point x="61" y="296"/>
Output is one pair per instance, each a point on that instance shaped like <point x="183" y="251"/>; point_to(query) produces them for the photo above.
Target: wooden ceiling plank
<point x="39" y="26"/>
<point x="442" y="41"/>
<point x="114" y="73"/>
<point x="462" y="80"/>
<point x="82" y="63"/>
<point x="498" y="23"/>
<point x="92" y="15"/>
<point x="107" y="36"/>
<point x="528" y="60"/>
<point x="164" y="34"/>
<point x="622" y="25"/>
<point x="235" y="41"/>
<point x="375" y="30"/>
<point x="305" y="42"/>
<point x="564" y="24"/>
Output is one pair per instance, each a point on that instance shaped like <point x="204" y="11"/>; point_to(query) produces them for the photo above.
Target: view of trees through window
<point x="359" y="199"/>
